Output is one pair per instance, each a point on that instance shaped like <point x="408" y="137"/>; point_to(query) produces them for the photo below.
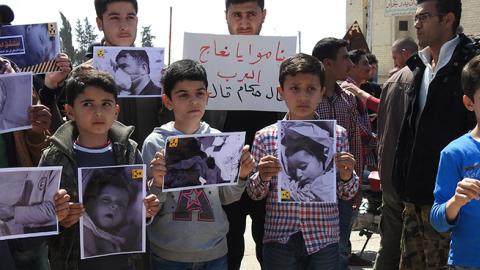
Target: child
<point x="299" y="235"/>
<point x="308" y="161"/>
<point x="107" y="199"/>
<point x="456" y="207"/>
<point x="190" y="229"/>
<point x="91" y="138"/>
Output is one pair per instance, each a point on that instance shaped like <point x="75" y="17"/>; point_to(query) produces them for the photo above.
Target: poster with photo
<point x="137" y="71"/>
<point x="27" y="206"/>
<point x="33" y="47"/>
<point x="15" y="100"/>
<point x="306" y="151"/>
<point x="196" y="161"/>
<point x="114" y="222"/>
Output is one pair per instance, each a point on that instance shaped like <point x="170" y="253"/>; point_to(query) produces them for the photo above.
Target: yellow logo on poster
<point x="173" y="142"/>
<point x="286" y="195"/>
<point x="137" y="173"/>
<point x="101" y="53"/>
<point x="52" y="29"/>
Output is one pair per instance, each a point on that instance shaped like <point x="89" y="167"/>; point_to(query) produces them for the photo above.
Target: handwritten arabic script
<point x="400" y="7"/>
<point x="242" y="70"/>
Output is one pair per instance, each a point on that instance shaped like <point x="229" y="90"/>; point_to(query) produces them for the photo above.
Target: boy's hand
<point x="345" y="163"/>
<point x="247" y="162"/>
<point x="75" y="211"/>
<point x="152" y="205"/>
<point x="159" y="168"/>
<point x="5" y="66"/>
<point x="467" y="190"/>
<point x="61" y="199"/>
<point x="53" y="79"/>
<point x="268" y="167"/>
<point x="40" y="118"/>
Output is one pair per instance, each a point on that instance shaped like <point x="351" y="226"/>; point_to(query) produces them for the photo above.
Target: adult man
<point x="340" y="105"/>
<point x="118" y="20"/>
<point x="435" y="115"/>
<point x="390" y="115"/>
<point x="135" y="66"/>
<point x="244" y="17"/>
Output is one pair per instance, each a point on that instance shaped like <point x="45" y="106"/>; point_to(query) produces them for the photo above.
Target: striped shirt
<point x="318" y="222"/>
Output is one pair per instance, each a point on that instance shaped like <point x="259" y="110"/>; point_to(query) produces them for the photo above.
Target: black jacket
<point x="444" y="118"/>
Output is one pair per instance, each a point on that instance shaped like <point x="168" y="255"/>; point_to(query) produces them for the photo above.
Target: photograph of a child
<point x="195" y="161"/>
<point x="115" y="218"/>
<point x="306" y="153"/>
<point x="31" y="44"/>
<point x="137" y="71"/>
<point x="26" y="201"/>
<point x="15" y="99"/>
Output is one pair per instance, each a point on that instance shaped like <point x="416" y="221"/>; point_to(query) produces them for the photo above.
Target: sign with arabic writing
<point x="242" y="70"/>
<point x="400" y="7"/>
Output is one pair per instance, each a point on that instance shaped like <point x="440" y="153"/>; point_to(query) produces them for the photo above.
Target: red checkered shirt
<point x="342" y="106"/>
<point x="318" y="222"/>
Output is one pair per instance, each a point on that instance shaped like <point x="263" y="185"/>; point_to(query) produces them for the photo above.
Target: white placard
<point x="27" y="207"/>
<point x="242" y="70"/>
<point x="198" y="161"/>
<point x="306" y="151"/>
<point x="114" y="222"/>
<point x="15" y="99"/>
<point x="137" y="71"/>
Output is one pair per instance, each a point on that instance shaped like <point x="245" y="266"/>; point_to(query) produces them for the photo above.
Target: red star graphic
<point x="193" y="203"/>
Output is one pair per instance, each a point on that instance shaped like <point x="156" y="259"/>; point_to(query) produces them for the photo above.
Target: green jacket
<point x="64" y="249"/>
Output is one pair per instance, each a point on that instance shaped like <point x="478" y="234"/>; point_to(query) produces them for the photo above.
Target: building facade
<point x="384" y="21"/>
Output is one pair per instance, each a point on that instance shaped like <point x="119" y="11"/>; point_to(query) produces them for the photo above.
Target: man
<point x="118" y="21"/>
<point x="390" y="115"/>
<point x="402" y="49"/>
<point x="435" y="115"/>
<point x="244" y="17"/>
<point x="134" y="65"/>
<point x="340" y="105"/>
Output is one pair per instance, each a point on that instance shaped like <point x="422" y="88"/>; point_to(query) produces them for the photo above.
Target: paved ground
<point x="250" y="262"/>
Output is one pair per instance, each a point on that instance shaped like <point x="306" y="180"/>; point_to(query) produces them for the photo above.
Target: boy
<point x="191" y="227"/>
<point x="456" y="206"/>
<point x="91" y="138"/>
<point x="300" y="235"/>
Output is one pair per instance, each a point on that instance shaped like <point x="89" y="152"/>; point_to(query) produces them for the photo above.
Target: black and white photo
<point x="137" y="71"/>
<point x="33" y="47"/>
<point x="195" y="161"/>
<point x="15" y="99"/>
<point x="27" y="206"/>
<point x="114" y="221"/>
<point x="306" y="150"/>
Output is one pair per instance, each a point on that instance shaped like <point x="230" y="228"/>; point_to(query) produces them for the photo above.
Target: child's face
<point x="341" y="65"/>
<point x="119" y="24"/>
<point x="110" y="208"/>
<point x="305" y="166"/>
<point x="188" y="101"/>
<point x="93" y="111"/>
<point x="302" y="94"/>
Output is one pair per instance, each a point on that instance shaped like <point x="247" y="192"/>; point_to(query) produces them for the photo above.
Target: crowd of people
<point x="424" y="142"/>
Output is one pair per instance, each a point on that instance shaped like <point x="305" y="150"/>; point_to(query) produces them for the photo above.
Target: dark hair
<point x="101" y="6"/>
<point x="372" y="59"/>
<point x="308" y="145"/>
<point x="183" y="70"/>
<point x="328" y="48"/>
<point x="301" y="63"/>
<point x="406" y="43"/>
<point x="470" y="77"/>
<point x="228" y="3"/>
<point x="84" y="76"/>
<point x="102" y="178"/>
<point x="355" y="55"/>
<point x="140" y="57"/>
<point x="446" y="6"/>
